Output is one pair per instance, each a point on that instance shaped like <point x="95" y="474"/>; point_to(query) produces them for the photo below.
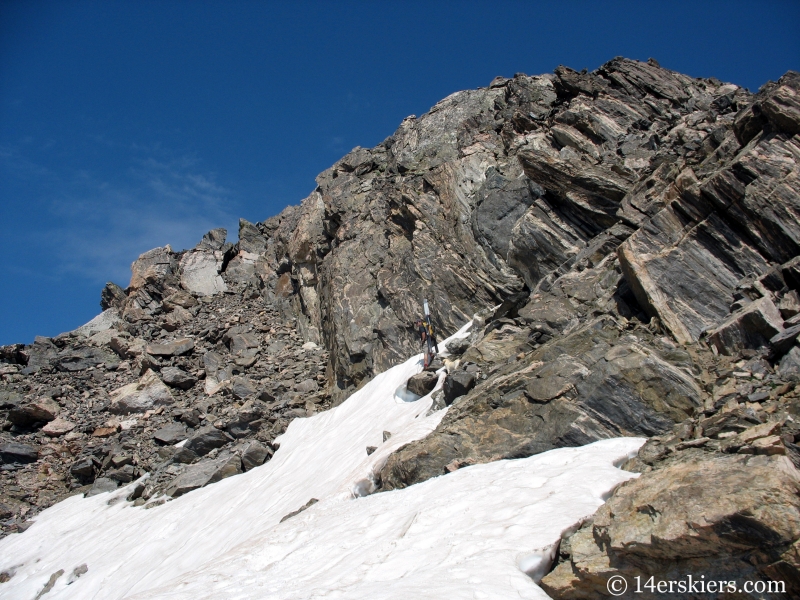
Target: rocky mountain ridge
<point x="638" y="228"/>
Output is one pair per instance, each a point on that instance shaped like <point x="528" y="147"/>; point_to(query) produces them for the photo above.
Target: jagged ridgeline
<point x="640" y="230"/>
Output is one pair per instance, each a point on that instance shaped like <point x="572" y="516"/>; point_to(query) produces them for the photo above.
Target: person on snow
<point x="430" y="347"/>
<point x="423" y="334"/>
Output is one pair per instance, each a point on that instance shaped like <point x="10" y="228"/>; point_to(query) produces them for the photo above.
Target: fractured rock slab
<point x="750" y="327"/>
<point x="176" y="377"/>
<point x="58" y="427"/>
<point x="205" y="473"/>
<point x="43" y="409"/>
<point x="15" y="452"/>
<point x="172" y="348"/>
<point x="200" y="273"/>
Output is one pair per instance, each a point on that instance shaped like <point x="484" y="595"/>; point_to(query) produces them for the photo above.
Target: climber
<point x="422" y="330"/>
<point x="427" y="336"/>
<point x="423" y="337"/>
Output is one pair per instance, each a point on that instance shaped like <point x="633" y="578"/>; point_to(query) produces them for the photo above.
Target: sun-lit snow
<point x="470" y="534"/>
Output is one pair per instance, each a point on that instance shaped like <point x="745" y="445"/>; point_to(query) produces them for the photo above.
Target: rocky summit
<point x="627" y="244"/>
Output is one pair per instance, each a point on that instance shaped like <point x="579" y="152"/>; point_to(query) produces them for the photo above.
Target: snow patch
<point x="482" y="531"/>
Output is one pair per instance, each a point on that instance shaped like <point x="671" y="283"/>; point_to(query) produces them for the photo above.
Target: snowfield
<point x="485" y="531"/>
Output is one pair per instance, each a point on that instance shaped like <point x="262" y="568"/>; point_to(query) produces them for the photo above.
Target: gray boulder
<point x="205" y="473"/>
<point x="205" y="439"/>
<point x="172" y="348"/>
<point x="83" y="470"/>
<point x="422" y="383"/>
<point x="15" y="452"/>
<point x="123" y="475"/>
<point x="789" y="367"/>
<point x="242" y="387"/>
<point x="750" y="327"/>
<point x="457" y="384"/>
<point x="80" y="359"/>
<point x="253" y="455"/>
<point x="783" y="341"/>
<point x="170" y="434"/>
<point x="307" y="387"/>
<point x="178" y="378"/>
<point x="10" y="399"/>
<point x="102" y="485"/>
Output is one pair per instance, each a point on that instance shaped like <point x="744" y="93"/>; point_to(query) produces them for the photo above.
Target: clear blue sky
<point x="130" y="125"/>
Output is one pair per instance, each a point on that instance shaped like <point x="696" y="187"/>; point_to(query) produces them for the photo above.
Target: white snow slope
<point x="486" y="531"/>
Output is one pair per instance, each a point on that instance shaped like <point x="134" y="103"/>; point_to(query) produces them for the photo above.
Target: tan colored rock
<point x="176" y="318"/>
<point x="751" y="327"/>
<point x="770" y="445"/>
<point x="750" y="435"/>
<point x="104" y="432"/>
<point x="58" y="427"/>
<point x="725" y="517"/>
<point x="126" y="346"/>
<point x="153" y="265"/>
<point x="179" y="299"/>
<point x="42" y="409"/>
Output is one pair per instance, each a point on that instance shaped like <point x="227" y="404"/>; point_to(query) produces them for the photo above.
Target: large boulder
<point x="148" y="393"/>
<point x="205" y="473"/>
<point x="80" y="359"/>
<point x="205" y="439"/>
<point x="457" y="384"/>
<point x="16" y="452"/>
<point x="171" y="348"/>
<point x="750" y="327"/>
<point x="718" y="518"/>
<point x="170" y="434"/>
<point x="176" y="377"/>
<point x="254" y="454"/>
<point x="422" y="383"/>
<point x="39" y="411"/>
<point x="154" y="266"/>
<point x="200" y="273"/>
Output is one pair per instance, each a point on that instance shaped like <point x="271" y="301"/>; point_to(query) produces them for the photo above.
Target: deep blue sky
<point x="130" y="125"/>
